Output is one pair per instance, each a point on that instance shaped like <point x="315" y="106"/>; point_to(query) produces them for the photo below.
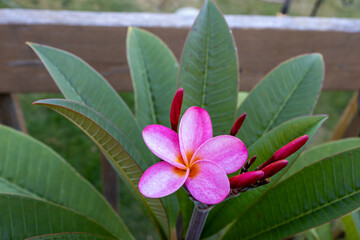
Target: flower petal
<point x="164" y="143"/>
<point x="227" y="151"/>
<point x="195" y="128"/>
<point x="162" y="179"/>
<point x="208" y="182"/>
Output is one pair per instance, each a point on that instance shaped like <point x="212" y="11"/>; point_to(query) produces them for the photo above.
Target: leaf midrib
<point x="305" y="214"/>
<point x="287" y="99"/>
<point x="205" y="79"/>
<point x="150" y="92"/>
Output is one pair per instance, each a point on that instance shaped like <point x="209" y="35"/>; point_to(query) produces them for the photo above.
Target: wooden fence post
<point x="11" y="113"/>
<point x="110" y="183"/>
<point x="349" y="123"/>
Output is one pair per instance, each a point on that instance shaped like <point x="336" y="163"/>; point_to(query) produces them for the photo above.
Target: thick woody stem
<point x="197" y="222"/>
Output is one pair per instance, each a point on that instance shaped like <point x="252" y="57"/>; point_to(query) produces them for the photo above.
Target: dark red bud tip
<point x="290" y="148"/>
<point x="245" y="179"/>
<point x="237" y="125"/>
<point x="176" y="109"/>
<point x="273" y="168"/>
<point x="286" y="150"/>
<point x="250" y="162"/>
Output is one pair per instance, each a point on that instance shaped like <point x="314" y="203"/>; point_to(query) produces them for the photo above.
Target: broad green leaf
<point x="289" y="91"/>
<point x="30" y="168"/>
<point x="209" y="68"/>
<point x="70" y="236"/>
<point x="81" y="83"/>
<point x="319" y="152"/>
<point x="318" y="194"/>
<point x="23" y="217"/>
<point x="111" y="141"/>
<point x="352" y="226"/>
<point x="154" y="70"/>
<point x="226" y="212"/>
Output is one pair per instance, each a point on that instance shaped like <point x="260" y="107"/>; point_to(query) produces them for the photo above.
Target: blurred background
<point x="80" y="152"/>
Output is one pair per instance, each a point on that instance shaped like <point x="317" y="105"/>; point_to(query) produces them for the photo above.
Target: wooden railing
<point x="99" y="38"/>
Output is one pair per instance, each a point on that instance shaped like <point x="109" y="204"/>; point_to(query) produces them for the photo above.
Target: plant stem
<point x="197" y="222"/>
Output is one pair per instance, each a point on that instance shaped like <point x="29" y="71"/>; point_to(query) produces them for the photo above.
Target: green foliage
<point x="319" y="152"/>
<point x="79" y="82"/>
<point x="322" y="191"/>
<point x="32" y="170"/>
<point x="69" y="148"/>
<point x="209" y="63"/>
<point x="290" y="90"/>
<point x="112" y="142"/>
<point x="230" y="210"/>
<point x="22" y="217"/>
<point x="154" y="71"/>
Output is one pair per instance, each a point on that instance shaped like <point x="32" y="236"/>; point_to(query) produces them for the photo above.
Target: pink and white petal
<point x="164" y="143"/>
<point x="162" y="179"/>
<point x="227" y="151"/>
<point x="208" y="182"/>
<point x="195" y="128"/>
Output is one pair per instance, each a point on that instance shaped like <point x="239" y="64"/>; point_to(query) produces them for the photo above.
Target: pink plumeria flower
<point x="193" y="157"/>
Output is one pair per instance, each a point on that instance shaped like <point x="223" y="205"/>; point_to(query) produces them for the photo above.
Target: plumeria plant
<point x="203" y="172"/>
<point x="200" y="161"/>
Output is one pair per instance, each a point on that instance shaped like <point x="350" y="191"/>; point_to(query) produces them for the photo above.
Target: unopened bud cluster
<point x="247" y="180"/>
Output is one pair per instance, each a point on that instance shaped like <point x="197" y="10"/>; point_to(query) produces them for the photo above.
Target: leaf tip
<point x="36" y="102"/>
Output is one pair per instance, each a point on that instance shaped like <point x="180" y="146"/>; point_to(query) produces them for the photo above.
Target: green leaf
<point x="321" y="192"/>
<point x="81" y="83"/>
<point x="23" y="217"/>
<point x="230" y="210"/>
<point x="289" y="91"/>
<point x="30" y="168"/>
<point x="319" y="152"/>
<point x="112" y="142"/>
<point x="209" y="68"/>
<point x="154" y="70"/>
<point x="352" y="225"/>
<point x="70" y="236"/>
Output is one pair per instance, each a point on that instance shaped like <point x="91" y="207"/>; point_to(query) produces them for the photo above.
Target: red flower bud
<point x="286" y="150"/>
<point x="176" y="109"/>
<point x="249" y="163"/>
<point x="273" y="168"/>
<point x="245" y="179"/>
<point x="237" y="125"/>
